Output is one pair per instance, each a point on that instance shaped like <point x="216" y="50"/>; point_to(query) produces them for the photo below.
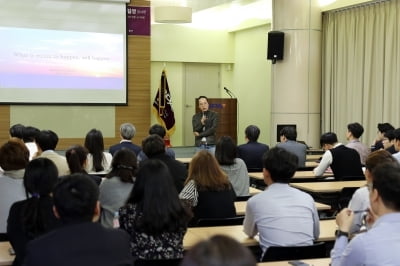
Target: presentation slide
<point x="68" y="63"/>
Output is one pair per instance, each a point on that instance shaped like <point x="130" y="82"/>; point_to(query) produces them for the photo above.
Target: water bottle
<point x="116" y="220"/>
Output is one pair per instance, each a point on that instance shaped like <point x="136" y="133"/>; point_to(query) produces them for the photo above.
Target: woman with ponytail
<point x="77" y="159"/>
<point x="34" y="216"/>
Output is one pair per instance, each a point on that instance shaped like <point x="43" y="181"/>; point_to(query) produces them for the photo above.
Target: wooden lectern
<point x="227" y="112"/>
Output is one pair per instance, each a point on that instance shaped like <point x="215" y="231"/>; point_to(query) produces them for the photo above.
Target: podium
<point x="227" y="114"/>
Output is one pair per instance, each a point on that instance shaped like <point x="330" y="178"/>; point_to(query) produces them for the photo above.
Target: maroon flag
<point x="162" y="106"/>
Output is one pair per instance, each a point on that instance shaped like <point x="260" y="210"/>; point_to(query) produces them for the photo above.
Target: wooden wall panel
<point x="138" y="109"/>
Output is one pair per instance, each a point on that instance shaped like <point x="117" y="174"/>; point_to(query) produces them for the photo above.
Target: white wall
<point x="244" y="70"/>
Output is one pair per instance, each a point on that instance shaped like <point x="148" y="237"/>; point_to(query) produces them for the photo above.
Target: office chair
<point x="237" y="220"/>
<point x="344" y="197"/>
<point x="317" y="250"/>
<point x="243" y="198"/>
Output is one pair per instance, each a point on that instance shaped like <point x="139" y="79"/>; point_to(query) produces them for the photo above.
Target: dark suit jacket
<point x="177" y="169"/>
<point x="81" y="244"/>
<point x="251" y="153"/>
<point x="125" y="144"/>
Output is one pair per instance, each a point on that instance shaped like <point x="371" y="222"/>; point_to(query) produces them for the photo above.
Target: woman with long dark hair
<point x="117" y="186"/>
<point x="235" y="168"/>
<point x="97" y="160"/>
<point x="76" y="159"/>
<point x="34" y="216"/>
<point x="154" y="216"/>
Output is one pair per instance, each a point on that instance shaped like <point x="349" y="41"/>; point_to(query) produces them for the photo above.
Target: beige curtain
<point x="361" y="68"/>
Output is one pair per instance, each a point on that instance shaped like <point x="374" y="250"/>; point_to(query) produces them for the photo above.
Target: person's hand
<point x="371" y="217"/>
<point x="344" y="219"/>
<point x="196" y="133"/>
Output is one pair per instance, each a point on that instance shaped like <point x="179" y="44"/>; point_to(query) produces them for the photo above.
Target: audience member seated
<point x="360" y="200"/>
<point x="127" y="132"/>
<point x="154" y="216"/>
<point x="30" y="134"/>
<point x="14" y="157"/>
<point x="382" y="128"/>
<point x="207" y="189"/>
<point x="80" y="241"/>
<point x="17" y="131"/>
<point x="388" y="141"/>
<point x="252" y="152"/>
<point x="344" y="162"/>
<point x="98" y="161"/>
<point x="219" y="250"/>
<point x="160" y="131"/>
<point x="76" y="159"/>
<point x="235" y="168"/>
<point x="288" y="136"/>
<point x="353" y="135"/>
<point x="396" y="134"/>
<point x="380" y="244"/>
<point x="154" y="148"/>
<point x="281" y="215"/>
<point x="33" y="217"/>
<point x="117" y="186"/>
<point x="46" y="141"/>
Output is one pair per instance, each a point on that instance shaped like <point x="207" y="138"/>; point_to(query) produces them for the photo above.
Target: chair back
<point x="164" y="262"/>
<point x="242" y="198"/>
<point x="237" y="220"/>
<point x="345" y="196"/>
<point x="317" y="250"/>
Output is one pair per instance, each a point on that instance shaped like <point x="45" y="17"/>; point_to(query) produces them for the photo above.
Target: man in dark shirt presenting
<point x="205" y="125"/>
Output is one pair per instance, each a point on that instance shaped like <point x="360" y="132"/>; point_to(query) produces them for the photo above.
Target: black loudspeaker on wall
<point x="275" y="45"/>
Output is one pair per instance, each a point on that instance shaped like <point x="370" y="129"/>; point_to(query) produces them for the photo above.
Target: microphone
<point x="228" y="92"/>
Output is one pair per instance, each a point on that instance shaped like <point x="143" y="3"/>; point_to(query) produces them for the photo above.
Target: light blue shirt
<point x="283" y="216"/>
<point x="379" y="246"/>
<point x="358" y="202"/>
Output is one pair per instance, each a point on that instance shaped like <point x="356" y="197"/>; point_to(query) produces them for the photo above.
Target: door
<point x="200" y="79"/>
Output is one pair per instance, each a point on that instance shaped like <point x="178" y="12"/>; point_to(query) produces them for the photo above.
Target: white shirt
<point x="283" y="216"/>
<point x="359" y="201"/>
<point x="106" y="163"/>
<point x="326" y="161"/>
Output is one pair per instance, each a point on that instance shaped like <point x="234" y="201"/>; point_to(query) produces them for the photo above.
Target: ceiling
<point x="234" y="14"/>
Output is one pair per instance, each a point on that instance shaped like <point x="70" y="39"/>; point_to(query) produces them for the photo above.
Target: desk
<point x="313" y="157"/>
<point x="241" y="207"/>
<point x="327" y="187"/>
<point x="297" y="175"/>
<point x="314" y="262"/>
<point x="196" y="234"/>
<point x="309" y="164"/>
<point x="5" y="257"/>
<point x="253" y="191"/>
<point x="184" y="160"/>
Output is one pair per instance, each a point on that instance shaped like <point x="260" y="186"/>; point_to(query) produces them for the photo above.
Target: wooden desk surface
<point x="253" y="191"/>
<point x="188" y="160"/>
<point x="5" y="257"/>
<point x="313" y="157"/>
<point x="327" y="187"/>
<point x="298" y="174"/>
<point x="313" y="262"/>
<point x="196" y="234"/>
<point x="241" y="207"/>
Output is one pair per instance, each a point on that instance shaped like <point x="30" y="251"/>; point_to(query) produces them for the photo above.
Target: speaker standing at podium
<point x="205" y="125"/>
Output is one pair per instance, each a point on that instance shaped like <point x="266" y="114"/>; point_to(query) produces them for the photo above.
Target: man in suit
<point x="46" y="141"/>
<point x="288" y="136"/>
<point x="344" y="161"/>
<point x="378" y="245"/>
<point x="251" y="152"/>
<point x="81" y="241"/>
<point x="127" y="132"/>
<point x="154" y="148"/>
